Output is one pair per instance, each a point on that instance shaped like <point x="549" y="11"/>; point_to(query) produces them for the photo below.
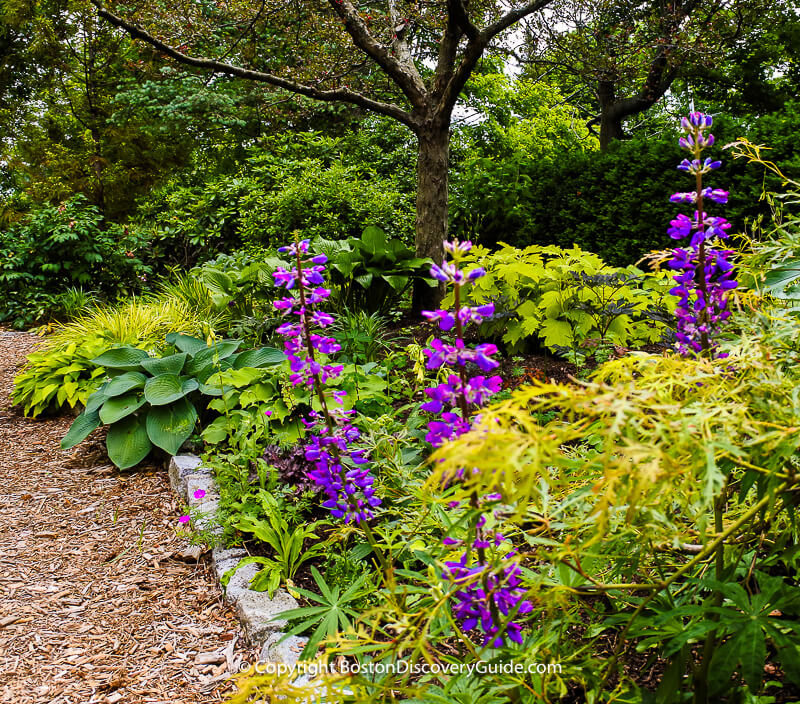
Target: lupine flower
<point x="338" y="471"/>
<point x="704" y="275"/>
<point x="487" y="594"/>
<point x="482" y="587"/>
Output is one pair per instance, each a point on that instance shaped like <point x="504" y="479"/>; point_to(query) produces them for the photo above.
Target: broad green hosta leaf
<point x="80" y="429"/>
<point x="127" y="442"/>
<point x="165" y="365"/>
<point x="373" y="239"/>
<point x="97" y="399"/>
<point x="396" y="281"/>
<point x="262" y="357"/>
<point x="210" y="356"/>
<point x="126" y="358"/>
<point x="168" y="427"/>
<point x="166" y="388"/>
<point x="186" y="343"/>
<point x="124" y="383"/>
<point x="119" y="407"/>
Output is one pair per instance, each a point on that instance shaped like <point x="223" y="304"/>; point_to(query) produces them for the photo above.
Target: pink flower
<point x="268" y="413"/>
<point x="199" y="494"/>
<point x="184" y="519"/>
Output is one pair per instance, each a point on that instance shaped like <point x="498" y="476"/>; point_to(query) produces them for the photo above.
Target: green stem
<point x="710" y="644"/>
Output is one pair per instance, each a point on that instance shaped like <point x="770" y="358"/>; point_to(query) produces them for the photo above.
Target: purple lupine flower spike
<point x="704" y="276"/>
<point x="338" y="471"/>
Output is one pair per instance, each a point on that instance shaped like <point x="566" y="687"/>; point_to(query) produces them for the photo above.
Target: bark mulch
<point x="95" y="605"/>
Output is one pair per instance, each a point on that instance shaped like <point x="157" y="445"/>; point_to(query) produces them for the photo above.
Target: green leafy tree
<point x="403" y="60"/>
<point x="618" y="58"/>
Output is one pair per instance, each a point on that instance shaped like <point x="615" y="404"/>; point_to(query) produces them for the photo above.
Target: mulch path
<point x="95" y="606"/>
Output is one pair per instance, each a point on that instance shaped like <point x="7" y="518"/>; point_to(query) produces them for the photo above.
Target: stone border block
<point x="256" y="610"/>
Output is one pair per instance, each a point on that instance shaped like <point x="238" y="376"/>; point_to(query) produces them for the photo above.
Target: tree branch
<point x="448" y="49"/>
<point x="513" y="16"/>
<point x="456" y="10"/>
<point x="405" y="77"/>
<point x="341" y="94"/>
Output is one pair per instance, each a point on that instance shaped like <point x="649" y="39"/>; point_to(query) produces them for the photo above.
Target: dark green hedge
<point x="617" y="203"/>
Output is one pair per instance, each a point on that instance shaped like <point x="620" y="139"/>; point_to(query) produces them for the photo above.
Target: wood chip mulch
<point x="96" y="605"/>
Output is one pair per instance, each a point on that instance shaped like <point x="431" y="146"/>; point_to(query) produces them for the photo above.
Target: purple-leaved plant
<point x="340" y="472"/>
<point x="489" y="595"/>
<point x="704" y="274"/>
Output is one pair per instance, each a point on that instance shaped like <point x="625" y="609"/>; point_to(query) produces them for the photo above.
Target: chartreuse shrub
<point x="61" y="372"/>
<point x="650" y="510"/>
<point x="568" y="299"/>
<point x="59" y="377"/>
<point x="151" y="401"/>
<point x="611" y="507"/>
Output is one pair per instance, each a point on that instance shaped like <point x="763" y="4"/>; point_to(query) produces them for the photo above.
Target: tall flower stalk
<point x="340" y="472"/>
<point x="489" y="596"/>
<point x="704" y="275"/>
<point x="705" y="279"/>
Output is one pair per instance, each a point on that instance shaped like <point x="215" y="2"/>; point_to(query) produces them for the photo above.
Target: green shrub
<point x="568" y="298"/>
<point x="187" y="221"/>
<point x="615" y="203"/>
<point x="63" y="246"/>
<point x="150" y="401"/>
<point x="333" y="202"/>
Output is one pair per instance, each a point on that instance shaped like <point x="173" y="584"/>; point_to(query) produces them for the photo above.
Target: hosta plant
<point x="373" y="272"/>
<point x="54" y="378"/>
<point x="61" y="373"/>
<point x="151" y="401"/>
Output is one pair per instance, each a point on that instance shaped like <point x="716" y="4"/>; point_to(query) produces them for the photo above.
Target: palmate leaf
<point x="168" y="427"/>
<point x="80" y="429"/>
<point x="119" y="407"/>
<point x="127" y="442"/>
<point x="747" y="647"/>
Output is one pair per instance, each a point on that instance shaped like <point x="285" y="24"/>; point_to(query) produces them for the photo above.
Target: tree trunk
<point x="431" y="224"/>
<point x="610" y="128"/>
<point x="610" y="115"/>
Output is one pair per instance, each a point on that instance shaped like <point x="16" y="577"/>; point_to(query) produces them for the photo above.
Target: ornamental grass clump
<point x="705" y="274"/>
<point x="339" y="471"/>
<point x="488" y="593"/>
